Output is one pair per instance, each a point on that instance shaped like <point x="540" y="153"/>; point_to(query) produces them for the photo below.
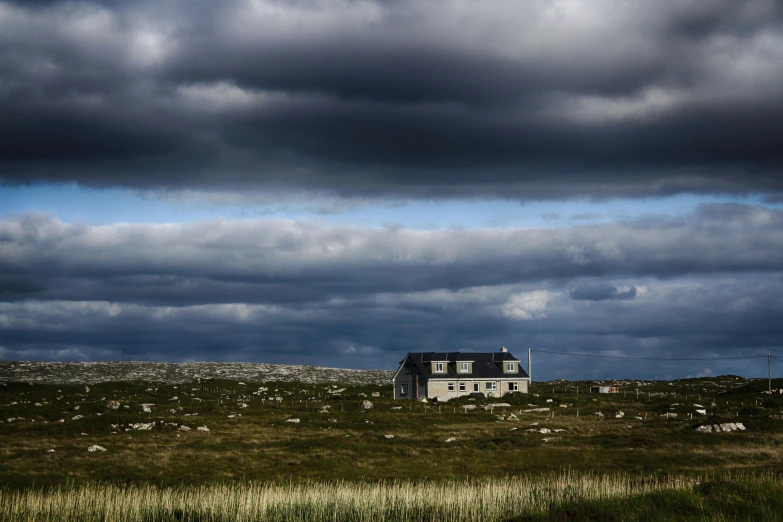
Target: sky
<point x="338" y="183"/>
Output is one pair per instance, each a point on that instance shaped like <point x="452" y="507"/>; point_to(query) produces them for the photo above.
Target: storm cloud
<point x="404" y="99"/>
<point x="302" y="291"/>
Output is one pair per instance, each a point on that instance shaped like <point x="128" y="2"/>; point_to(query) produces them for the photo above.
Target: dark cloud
<point x="706" y="284"/>
<point x="395" y="99"/>
<point x="601" y="292"/>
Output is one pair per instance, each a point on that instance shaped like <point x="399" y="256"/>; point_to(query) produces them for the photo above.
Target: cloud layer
<point x="707" y="284"/>
<point x="543" y="99"/>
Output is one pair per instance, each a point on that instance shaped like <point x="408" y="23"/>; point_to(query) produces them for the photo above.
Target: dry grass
<point x="493" y="499"/>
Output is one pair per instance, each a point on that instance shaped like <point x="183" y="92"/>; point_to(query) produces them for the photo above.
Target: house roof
<point x="485" y="365"/>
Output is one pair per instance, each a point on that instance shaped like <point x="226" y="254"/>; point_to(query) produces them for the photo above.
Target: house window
<point x="513" y="386"/>
<point x="462" y="386"/>
<point x="491" y="385"/>
<point x="439" y="367"/>
<point x="463" y="367"/>
<point x="451" y="386"/>
<point x="510" y="367"/>
<point x="475" y="386"/>
<point x="403" y="389"/>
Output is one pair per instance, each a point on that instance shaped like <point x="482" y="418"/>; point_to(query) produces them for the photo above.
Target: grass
<point x="251" y="456"/>
<point x="549" y="497"/>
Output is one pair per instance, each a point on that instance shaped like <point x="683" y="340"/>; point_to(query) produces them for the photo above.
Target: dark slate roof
<point x="485" y="365"/>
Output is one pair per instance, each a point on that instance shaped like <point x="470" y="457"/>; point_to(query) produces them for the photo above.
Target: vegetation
<point x="339" y="463"/>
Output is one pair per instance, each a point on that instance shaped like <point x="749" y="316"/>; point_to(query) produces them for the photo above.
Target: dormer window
<point x="439" y="367"/>
<point x="464" y="367"/>
<point x="510" y="367"/>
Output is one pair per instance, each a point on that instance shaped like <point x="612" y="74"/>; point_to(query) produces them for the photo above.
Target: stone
<point x="50" y="451"/>
<point x="113" y="405"/>
<point x="184" y="428"/>
<point x="619" y="415"/>
<point x="93" y="449"/>
<point x="376" y="394"/>
<point x="147" y="408"/>
<point x="293" y="421"/>
<point x="450" y="439"/>
<point x="396" y="407"/>
<point x="366" y="405"/>
<point x="142" y="426"/>
<point x="702" y="412"/>
<point x="202" y="428"/>
<point x="86" y="389"/>
<point x="389" y="436"/>
<point x="77" y="417"/>
<point x="423" y="399"/>
<point x="536" y="410"/>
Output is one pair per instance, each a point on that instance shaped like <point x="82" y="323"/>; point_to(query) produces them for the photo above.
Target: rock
<point x="86" y="389"/>
<point x="544" y="430"/>
<point x="147" y="408"/>
<point x="513" y="417"/>
<point x="294" y="421"/>
<point x="396" y="407"/>
<point x="619" y="415"/>
<point x="366" y="405"/>
<point x="142" y="426"/>
<point x="698" y="406"/>
<point x="558" y="430"/>
<point x="389" y="436"/>
<point x="93" y="449"/>
<point x="184" y="428"/>
<point x="549" y="400"/>
<point x="376" y="394"/>
<point x="488" y="407"/>
<point x="702" y="412"/>
<point x="469" y="407"/>
<point x="113" y="405"/>
<point x="442" y="398"/>
<point x="50" y="451"/>
<point x="669" y="415"/>
<point x="202" y="428"/>
<point x="718" y="428"/>
<point x="599" y="414"/>
<point x="423" y="399"/>
<point x="243" y="405"/>
<point x="77" y="417"/>
<point x="450" y="439"/>
<point x="536" y="410"/>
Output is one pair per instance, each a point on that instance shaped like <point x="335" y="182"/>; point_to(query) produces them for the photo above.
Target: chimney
<point x="503" y="349"/>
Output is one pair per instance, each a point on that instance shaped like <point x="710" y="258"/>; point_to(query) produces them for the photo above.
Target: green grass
<point x="348" y="445"/>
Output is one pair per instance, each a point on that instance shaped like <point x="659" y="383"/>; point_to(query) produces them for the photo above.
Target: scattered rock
<point x="536" y="410"/>
<point x="423" y="399"/>
<point x="77" y="417"/>
<point x="396" y="407"/>
<point x="376" y="394"/>
<point x="86" y="389"/>
<point x="50" y="451"/>
<point x="202" y="428"/>
<point x="619" y="415"/>
<point x="450" y="439"/>
<point x="294" y="420"/>
<point x="147" y="408"/>
<point x="184" y="428"/>
<point x="142" y="426"/>
<point x="366" y="405"/>
<point x="721" y="428"/>
<point x="93" y="449"/>
<point x="702" y="412"/>
<point x="389" y="436"/>
<point x="113" y="405"/>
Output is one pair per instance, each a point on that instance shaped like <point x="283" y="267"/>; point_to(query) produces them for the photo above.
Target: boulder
<point x="376" y="394"/>
<point x="93" y="449"/>
<point x="202" y="428"/>
<point x="113" y="405"/>
<point x="293" y="421"/>
<point x="184" y="428"/>
<point x="366" y="405"/>
<point x="389" y="436"/>
<point x="450" y="439"/>
<point x="77" y="417"/>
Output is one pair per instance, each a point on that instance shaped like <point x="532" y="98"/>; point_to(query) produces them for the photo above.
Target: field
<point x="398" y="460"/>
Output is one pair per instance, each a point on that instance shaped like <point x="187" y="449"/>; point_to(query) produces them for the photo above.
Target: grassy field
<point x="251" y="446"/>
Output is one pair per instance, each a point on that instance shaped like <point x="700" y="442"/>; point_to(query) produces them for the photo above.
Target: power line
<point x="656" y="358"/>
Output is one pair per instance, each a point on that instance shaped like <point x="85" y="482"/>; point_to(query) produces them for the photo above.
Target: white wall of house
<point x="453" y="388"/>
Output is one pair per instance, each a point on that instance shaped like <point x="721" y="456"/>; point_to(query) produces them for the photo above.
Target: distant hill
<point x="93" y="372"/>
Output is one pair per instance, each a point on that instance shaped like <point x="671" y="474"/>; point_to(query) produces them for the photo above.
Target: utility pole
<point x="529" y="372"/>
<point x="769" y="372"/>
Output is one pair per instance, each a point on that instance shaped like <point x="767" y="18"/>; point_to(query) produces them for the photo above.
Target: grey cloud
<point x="601" y="292"/>
<point x="395" y="99"/>
<point x="707" y="283"/>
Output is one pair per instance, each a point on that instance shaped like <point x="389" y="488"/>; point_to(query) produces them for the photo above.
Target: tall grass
<point x="464" y="500"/>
